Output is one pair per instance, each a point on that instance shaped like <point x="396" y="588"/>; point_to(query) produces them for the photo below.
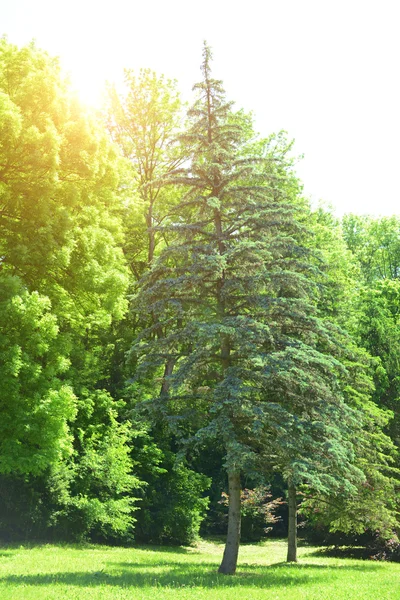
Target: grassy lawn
<point x="86" y="572"/>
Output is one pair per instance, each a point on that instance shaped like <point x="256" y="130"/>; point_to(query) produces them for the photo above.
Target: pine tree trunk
<point x="229" y="560"/>
<point x="292" y="533"/>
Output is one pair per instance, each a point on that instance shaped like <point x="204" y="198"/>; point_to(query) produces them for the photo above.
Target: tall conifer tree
<point x="231" y="305"/>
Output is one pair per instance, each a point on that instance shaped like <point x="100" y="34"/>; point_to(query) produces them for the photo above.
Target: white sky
<point x="325" y="71"/>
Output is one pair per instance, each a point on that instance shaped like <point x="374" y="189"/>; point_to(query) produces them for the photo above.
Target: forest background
<point x="173" y="312"/>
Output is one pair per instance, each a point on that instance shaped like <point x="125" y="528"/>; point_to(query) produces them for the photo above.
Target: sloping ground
<point x="113" y="573"/>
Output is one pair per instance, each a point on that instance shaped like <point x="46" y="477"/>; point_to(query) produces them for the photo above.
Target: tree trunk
<point x="151" y="235"/>
<point x="229" y="560"/>
<point x="168" y="370"/>
<point x="292" y="533"/>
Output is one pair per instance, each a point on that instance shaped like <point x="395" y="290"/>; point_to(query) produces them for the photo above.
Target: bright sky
<point x="326" y="71"/>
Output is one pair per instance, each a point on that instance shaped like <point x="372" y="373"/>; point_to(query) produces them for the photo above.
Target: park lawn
<point x="84" y="572"/>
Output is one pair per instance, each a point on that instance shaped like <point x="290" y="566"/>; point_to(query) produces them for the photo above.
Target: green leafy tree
<point x="61" y="236"/>
<point x="35" y="404"/>
<point x="144" y="122"/>
<point x="378" y="331"/>
<point x="91" y="495"/>
<point x="340" y="274"/>
<point x="376" y="245"/>
<point x="344" y="300"/>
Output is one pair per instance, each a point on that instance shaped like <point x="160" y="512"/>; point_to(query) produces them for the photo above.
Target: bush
<point x="172" y="506"/>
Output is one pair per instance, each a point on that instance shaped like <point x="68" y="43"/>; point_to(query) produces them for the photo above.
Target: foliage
<point x="339" y="270"/>
<point x="91" y="495"/>
<point x="376" y="245"/>
<point x="144" y="120"/>
<point x="222" y="292"/>
<point x="372" y="505"/>
<point x="173" y="502"/>
<point x="378" y="330"/>
<point x="35" y="405"/>
<point x="61" y="239"/>
<point x="258" y="512"/>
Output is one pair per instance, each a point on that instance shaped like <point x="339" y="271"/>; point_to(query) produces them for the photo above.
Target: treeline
<point x="179" y="330"/>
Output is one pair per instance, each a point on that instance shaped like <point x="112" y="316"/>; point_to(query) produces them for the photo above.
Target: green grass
<point x="86" y="572"/>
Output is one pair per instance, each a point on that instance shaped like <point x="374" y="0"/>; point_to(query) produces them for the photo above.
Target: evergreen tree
<point x="231" y="306"/>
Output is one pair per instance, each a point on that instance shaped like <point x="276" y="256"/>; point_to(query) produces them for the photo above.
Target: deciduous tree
<point x="144" y="121"/>
<point x="61" y="238"/>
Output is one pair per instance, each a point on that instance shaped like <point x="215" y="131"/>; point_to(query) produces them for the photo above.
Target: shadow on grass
<point x="164" y="549"/>
<point x="14" y="546"/>
<point x="176" y="575"/>
<point x="356" y="552"/>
